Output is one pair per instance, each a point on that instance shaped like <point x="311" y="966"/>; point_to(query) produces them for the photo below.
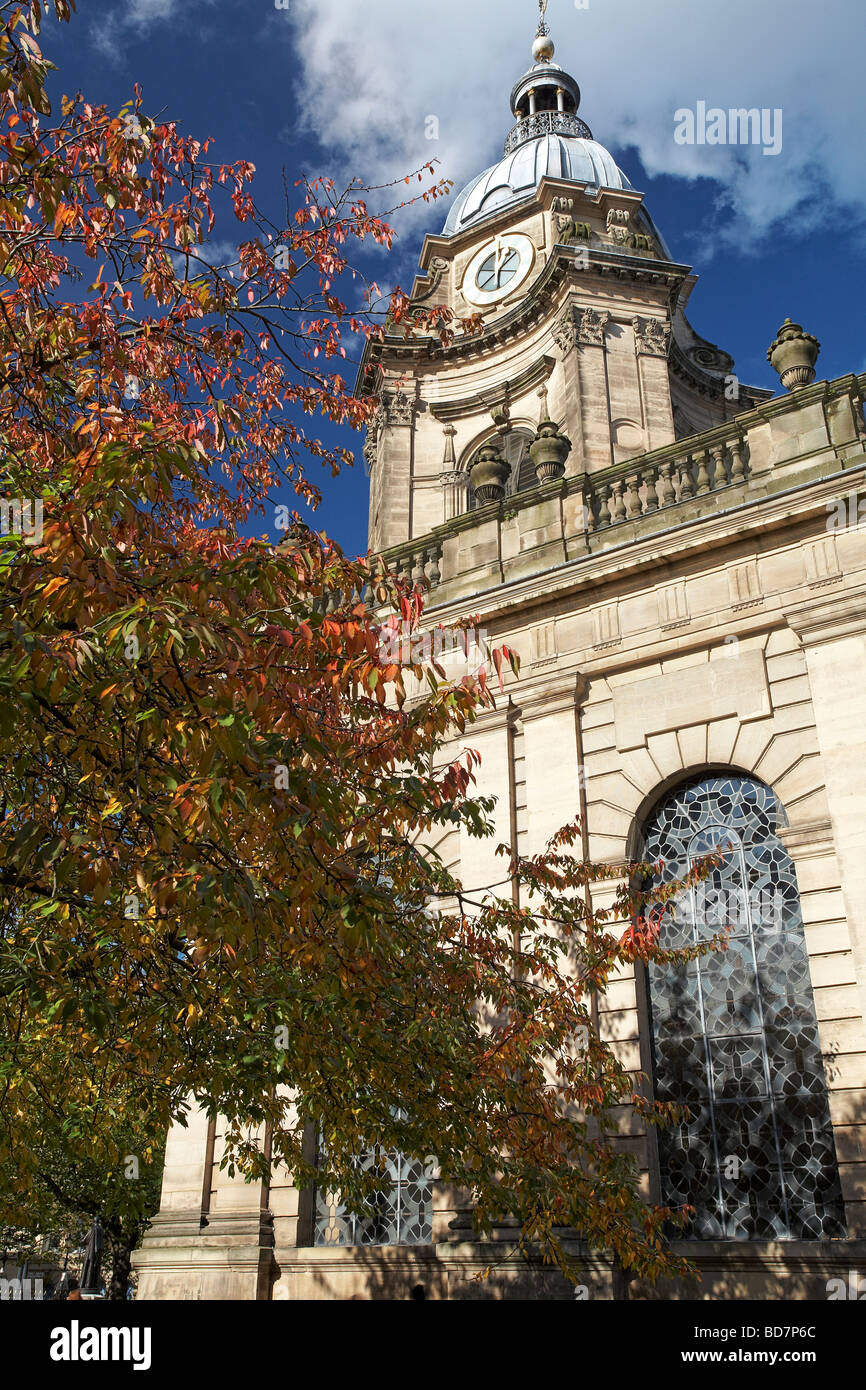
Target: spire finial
<point x="542" y="49"/>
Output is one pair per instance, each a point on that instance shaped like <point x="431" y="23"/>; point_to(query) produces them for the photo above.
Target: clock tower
<point x="583" y="324"/>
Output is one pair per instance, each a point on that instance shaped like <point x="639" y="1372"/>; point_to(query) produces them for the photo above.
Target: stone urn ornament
<point x="793" y="355"/>
<point x="548" y="451"/>
<point x="489" y="474"/>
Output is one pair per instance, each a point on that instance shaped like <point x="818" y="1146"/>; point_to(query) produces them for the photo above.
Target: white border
<point x="515" y="241"/>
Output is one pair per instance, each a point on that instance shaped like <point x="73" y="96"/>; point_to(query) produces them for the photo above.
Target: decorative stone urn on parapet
<point x="548" y="451"/>
<point x="489" y="474"/>
<point x="793" y="355"/>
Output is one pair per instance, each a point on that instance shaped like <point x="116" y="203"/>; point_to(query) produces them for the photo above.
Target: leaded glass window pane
<point x="399" y="1213"/>
<point x="734" y="1034"/>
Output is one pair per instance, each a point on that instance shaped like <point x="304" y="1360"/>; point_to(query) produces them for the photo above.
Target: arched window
<point x="734" y="1034"/>
<point x="514" y="447"/>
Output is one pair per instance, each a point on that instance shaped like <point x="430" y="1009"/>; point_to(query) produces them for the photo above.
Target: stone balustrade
<point x="782" y="443"/>
<point x="631" y="490"/>
<point x="338" y="600"/>
<point x="664" y="479"/>
<point x="418" y="563"/>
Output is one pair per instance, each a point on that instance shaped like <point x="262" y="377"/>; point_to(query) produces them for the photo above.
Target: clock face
<point x="498" y="268"/>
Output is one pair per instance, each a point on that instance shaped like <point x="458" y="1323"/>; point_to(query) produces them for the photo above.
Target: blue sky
<point x="344" y="87"/>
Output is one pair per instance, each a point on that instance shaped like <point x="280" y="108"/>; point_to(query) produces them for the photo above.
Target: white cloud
<point x="132" y="19"/>
<point x="370" y="73"/>
<point x="221" y="254"/>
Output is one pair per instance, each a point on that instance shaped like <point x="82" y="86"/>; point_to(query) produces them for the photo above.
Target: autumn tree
<point x="217" y="782"/>
<point x="101" y="1159"/>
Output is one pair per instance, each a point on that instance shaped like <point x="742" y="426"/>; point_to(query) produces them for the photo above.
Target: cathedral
<point x="676" y="557"/>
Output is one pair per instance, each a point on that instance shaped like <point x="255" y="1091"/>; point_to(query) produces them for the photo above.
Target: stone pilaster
<point x="565" y="333"/>
<point x="391" y="518"/>
<point x="832" y="631"/>
<point x="652" y="343"/>
<point x="213" y="1235"/>
<point x="593" y="388"/>
<point x="480" y="866"/>
<point x="552" y="771"/>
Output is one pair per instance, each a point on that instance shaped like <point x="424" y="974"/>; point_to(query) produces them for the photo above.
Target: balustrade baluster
<point x="618" y="510"/>
<point x="632" y="497"/>
<point x="720" y="475"/>
<point x="604" y="514"/>
<point x="738" y="466"/>
<point x="687" y="487"/>
<point x="651" y="480"/>
<point x="669" y="492"/>
<point x="703" y="475"/>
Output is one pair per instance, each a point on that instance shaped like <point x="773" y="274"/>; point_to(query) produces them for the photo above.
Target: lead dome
<point x="550" y="138"/>
<point x="518" y="175"/>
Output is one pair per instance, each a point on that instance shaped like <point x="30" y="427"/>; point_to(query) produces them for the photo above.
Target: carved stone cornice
<point x="608" y="565"/>
<point x="438" y="267"/>
<point x="708" y="384"/>
<point x="482" y="402"/>
<point x="829" y="619"/>
<point x="540" y="300"/>
<point x="712" y="387"/>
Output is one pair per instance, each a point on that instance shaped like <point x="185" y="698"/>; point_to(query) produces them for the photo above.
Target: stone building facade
<point x="686" y="587"/>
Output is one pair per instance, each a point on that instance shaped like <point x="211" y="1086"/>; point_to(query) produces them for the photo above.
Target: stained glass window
<point x="734" y="1034"/>
<point x="399" y="1213"/>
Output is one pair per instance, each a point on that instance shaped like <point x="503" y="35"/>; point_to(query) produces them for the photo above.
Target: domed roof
<point x="516" y="177"/>
<point x="549" y="138"/>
